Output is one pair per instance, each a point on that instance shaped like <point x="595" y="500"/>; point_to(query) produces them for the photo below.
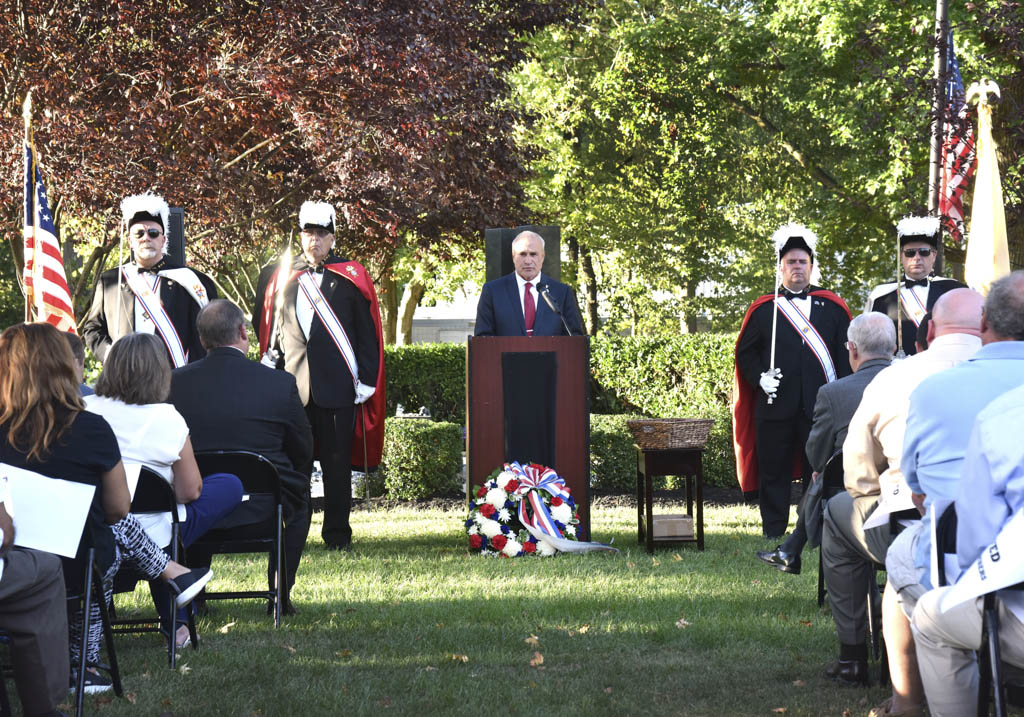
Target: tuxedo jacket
<point x="833" y="409"/>
<point x="500" y="312"/>
<point x="232" y="403"/>
<point x="102" y="325"/>
<point x="319" y="369"/>
<point x="802" y="374"/>
<point x="883" y="299"/>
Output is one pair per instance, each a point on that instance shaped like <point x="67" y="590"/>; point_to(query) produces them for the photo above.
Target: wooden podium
<point x="528" y="400"/>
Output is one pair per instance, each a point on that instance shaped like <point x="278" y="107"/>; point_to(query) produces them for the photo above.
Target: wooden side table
<point x="687" y="462"/>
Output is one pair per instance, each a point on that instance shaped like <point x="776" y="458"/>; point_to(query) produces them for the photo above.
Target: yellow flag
<point x="988" y="257"/>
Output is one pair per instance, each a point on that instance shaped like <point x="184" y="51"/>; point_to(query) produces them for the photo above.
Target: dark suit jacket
<point x="883" y="299"/>
<point x="835" y="406"/>
<point x="500" y="312"/>
<point x="232" y="403"/>
<point x="802" y="374"/>
<point x="318" y="367"/>
<point x="101" y="328"/>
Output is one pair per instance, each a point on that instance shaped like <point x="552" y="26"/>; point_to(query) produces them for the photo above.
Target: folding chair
<point x="153" y="494"/>
<point x="260" y="480"/>
<point x="832" y="483"/>
<point x="995" y="686"/>
<point x="92" y="589"/>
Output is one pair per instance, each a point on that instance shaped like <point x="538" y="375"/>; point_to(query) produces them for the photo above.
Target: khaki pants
<point x="945" y="651"/>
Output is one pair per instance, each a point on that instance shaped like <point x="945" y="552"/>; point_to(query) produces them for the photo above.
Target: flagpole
<point x="938" y="113"/>
<point x="26" y="109"/>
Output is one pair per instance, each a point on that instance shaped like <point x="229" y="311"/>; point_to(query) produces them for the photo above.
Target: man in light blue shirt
<point x="990" y="493"/>
<point x="942" y="412"/>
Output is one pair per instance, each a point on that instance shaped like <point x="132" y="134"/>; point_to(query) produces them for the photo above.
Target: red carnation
<point x="475" y="542"/>
<point x="498" y="541"/>
<point x="556" y="501"/>
<point x="487" y="510"/>
<point x="512" y="486"/>
<point x="481" y="492"/>
<point x="529" y="547"/>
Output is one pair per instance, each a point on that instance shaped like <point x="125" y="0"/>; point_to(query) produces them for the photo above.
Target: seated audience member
<point x="942" y="411"/>
<point x="990" y="494"/>
<point x="232" y="403"/>
<point x="130" y="395"/>
<point x="871" y="344"/>
<point x="78" y="353"/>
<point x="33" y="613"/>
<point x="871" y="459"/>
<point x="45" y="428"/>
<point x="921" y="340"/>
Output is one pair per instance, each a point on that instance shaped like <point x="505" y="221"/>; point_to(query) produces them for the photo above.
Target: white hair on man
<point x="874" y="335"/>
<point x="526" y="236"/>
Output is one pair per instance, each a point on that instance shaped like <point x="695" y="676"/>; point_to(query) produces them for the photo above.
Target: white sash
<point x="151" y="302"/>
<point x="912" y="304"/>
<point x="334" y="328"/>
<point x="810" y="336"/>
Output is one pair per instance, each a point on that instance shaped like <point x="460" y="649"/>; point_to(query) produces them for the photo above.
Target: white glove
<point x="363" y="392"/>
<point x="270" y="358"/>
<point x="770" y="381"/>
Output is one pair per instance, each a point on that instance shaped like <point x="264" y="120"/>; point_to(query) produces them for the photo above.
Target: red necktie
<point x="529" y="309"/>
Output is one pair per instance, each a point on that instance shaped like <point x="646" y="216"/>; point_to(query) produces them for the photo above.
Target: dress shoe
<point x="340" y="546"/>
<point x="853" y="673"/>
<point x="781" y="560"/>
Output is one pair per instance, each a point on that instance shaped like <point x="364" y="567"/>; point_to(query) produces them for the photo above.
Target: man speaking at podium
<point x="525" y="302"/>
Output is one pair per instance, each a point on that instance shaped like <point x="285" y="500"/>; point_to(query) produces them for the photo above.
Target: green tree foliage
<point x="673" y="136"/>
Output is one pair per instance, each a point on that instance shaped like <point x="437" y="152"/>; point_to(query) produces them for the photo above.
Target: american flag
<point x="46" y="284"/>
<point x="959" y="156"/>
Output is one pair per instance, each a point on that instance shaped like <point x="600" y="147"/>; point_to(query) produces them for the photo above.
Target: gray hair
<point x="136" y="371"/>
<point x="219" y="323"/>
<point x="874" y="334"/>
<point x="528" y="235"/>
<point x="1004" y="307"/>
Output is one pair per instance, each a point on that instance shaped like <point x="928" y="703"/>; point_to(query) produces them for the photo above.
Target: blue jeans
<point x="222" y="492"/>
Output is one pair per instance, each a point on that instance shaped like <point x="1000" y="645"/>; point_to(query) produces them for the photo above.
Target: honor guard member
<point x="151" y="293"/>
<point x="318" y="317"/>
<point x="790" y="344"/>
<point x="918" y="290"/>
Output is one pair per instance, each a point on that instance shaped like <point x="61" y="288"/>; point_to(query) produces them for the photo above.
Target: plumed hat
<point x="794" y="236"/>
<point x="145" y="207"/>
<point x="926" y="229"/>
<point x="316" y="214"/>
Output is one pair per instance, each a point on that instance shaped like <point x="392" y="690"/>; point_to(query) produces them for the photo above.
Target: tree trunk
<point x="689" y="323"/>
<point x="410" y="300"/>
<point x="387" y="294"/>
<point x="589" y="282"/>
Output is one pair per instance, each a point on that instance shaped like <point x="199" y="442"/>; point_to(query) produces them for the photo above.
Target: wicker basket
<point x="671" y="433"/>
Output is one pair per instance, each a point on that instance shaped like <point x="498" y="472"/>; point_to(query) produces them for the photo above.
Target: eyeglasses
<point x="849" y="345"/>
<point x="140" y="233"/>
<point x="318" y="233"/>
<point x="923" y="252"/>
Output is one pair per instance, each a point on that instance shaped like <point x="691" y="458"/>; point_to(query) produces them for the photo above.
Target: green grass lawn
<point x="410" y="623"/>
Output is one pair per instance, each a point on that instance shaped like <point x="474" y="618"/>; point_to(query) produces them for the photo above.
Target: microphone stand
<point x="544" y="291"/>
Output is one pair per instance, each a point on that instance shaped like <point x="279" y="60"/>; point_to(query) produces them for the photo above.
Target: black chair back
<point x="154" y="494"/>
<point x="258" y="475"/>
<point x="832" y="480"/>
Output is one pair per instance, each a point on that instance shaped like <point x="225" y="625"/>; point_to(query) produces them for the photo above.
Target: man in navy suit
<point x="517" y="304"/>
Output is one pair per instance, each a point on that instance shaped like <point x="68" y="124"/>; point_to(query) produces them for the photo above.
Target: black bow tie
<point x="156" y="268"/>
<point x="794" y="294"/>
<point x="918" y="282"/>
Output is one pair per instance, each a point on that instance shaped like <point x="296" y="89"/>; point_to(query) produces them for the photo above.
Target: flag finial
<point x="979" y="91"/>
<point x="26" y="108"/>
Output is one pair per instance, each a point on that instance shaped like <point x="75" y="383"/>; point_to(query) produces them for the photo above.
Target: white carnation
<point x="496" y="497"/>
<point x="562" y="513"/>
<point x="473" y="529"/>
<point x="489" y="527"/>
<point x="504" y="516"/>
<point x="544" y="548"/>
<point x="512" y="548"/>
<point x="570" y="530"/>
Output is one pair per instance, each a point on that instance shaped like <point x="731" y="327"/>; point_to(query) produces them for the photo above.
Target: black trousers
<point x="332" y="434"/>
<point x="776" y="443"/>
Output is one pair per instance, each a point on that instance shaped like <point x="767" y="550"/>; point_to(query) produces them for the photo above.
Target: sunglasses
<point x="922" y="252"/>
<point x="153" y="233"/>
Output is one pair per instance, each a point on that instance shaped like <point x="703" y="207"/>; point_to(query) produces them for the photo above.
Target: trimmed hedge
<point x="684" y="376"/>
<point x="421" y="458"/>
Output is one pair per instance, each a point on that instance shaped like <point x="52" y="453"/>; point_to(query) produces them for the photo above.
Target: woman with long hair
<point x="45" y="428"/>
<point x="131" y="394"/>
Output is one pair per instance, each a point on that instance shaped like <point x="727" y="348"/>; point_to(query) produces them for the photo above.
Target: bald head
<point x="956" y="312"/>
<point x="221" y="323"/>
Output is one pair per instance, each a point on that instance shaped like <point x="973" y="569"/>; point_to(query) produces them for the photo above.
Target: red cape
<point x="744" y="397"/>
<point x="370" y="416"/>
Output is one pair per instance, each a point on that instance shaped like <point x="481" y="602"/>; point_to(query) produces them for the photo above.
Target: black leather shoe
<point x="340" y="546"/>
<point x="781" y="560"/>
<point x="853" y="673"/>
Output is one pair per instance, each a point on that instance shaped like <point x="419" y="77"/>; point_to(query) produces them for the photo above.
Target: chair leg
<point x="84" y="642"/>
<point x="821" y="579"/>
<point x="108" y="635"/>
<point x="990" y="617"/>
<point x="278" y="569"/>
<point x="5" y="702"/>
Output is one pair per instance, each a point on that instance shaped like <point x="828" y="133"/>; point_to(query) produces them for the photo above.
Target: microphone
<point x="546" y="293"/>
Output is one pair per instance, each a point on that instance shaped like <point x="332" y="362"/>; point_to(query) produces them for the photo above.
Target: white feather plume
<point x="319" y="214"/>
<point x="918" y="226"/>
<point x="150" y="204"/>
<point x="787" y="231"/>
